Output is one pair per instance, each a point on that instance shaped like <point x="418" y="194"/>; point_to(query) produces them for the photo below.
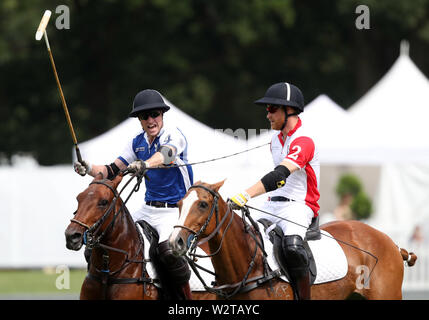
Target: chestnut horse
<point x="118" y="266"/>
<point x="238" y="260"/>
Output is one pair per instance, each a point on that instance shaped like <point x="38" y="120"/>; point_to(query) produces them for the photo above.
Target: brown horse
<point x="238" y="261"/>
<point x="118" y="266"/>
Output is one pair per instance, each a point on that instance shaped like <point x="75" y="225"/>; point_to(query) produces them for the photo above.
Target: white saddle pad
<point x="331" y="262"/>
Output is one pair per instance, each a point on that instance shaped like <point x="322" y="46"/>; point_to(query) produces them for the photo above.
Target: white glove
<point x="239" y="200"/>
<point x="138" y="166"/>
<point x="82" y="168"/>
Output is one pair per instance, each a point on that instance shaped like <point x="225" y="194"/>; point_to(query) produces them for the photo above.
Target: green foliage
<point x="348" y="184"/>
<point x="361" y="206"/>
<point x="210" y="58"/>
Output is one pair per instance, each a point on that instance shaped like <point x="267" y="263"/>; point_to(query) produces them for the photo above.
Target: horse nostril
<point x="180" y="243"/>
<point x="75" y="237"/>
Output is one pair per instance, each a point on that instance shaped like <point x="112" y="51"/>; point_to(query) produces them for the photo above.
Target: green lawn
<point x="41" y="281"/>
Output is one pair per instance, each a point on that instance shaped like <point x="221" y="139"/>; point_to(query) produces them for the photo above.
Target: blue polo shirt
<point x="167" y="185"/>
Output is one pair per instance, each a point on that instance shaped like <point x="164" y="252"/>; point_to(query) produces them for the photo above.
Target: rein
<point x="209" y="160"/>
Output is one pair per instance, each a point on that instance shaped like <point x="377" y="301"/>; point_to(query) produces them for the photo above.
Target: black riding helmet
<point x="283" y="94"/>
<point x="147" y="100"/>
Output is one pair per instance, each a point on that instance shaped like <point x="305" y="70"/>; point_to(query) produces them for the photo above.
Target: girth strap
<point x="111" y="281"/>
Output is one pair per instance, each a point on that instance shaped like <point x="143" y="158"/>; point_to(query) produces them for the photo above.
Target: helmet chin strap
<point x="286" y="117"/>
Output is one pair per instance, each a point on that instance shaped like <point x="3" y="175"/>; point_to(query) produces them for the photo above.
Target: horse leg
<point x="90" y="290"/>
<point x="385" y="282"/>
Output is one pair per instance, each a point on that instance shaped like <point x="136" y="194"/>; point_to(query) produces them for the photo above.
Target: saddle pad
<point x="194" y="282"/>
<point x="331" y="262"/>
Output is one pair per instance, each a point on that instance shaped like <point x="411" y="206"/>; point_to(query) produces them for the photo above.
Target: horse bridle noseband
<point x="213" y="211"/>
<point x="88" y="237"/>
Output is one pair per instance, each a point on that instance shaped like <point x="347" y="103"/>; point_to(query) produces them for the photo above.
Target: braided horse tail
<point x="409" y="257"/>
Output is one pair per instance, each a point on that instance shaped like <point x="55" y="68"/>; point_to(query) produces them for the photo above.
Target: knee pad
<point x="176" y="267"/>
<point x="296" y="256"/>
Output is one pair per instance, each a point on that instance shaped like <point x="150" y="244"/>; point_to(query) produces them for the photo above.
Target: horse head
<point x="199" y="214"/>
<point x="96" y="207"/>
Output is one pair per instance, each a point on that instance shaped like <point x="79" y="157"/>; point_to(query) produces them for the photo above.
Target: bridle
<point x="213" y="211"/>
<point x="245" y="284"/>
<point x="91" y="240"/>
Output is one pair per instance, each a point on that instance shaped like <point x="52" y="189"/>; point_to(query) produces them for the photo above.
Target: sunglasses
<point x="272" y="108"/>
<point x="153" y="114"/>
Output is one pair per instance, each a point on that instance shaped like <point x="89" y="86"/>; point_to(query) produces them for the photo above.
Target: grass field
<point x="41" y="281"/>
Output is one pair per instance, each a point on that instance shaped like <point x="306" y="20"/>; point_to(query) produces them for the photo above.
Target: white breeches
<point x="292" y="217"/>
<point x="162" y="219"/>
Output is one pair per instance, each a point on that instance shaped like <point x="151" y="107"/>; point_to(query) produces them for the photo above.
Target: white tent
<point x="395" y="113"/>
<point x="37" y="205"/>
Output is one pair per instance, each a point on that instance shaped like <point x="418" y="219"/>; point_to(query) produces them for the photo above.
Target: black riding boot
<point x="298" y="266"/>
<point x="176" y="273"/>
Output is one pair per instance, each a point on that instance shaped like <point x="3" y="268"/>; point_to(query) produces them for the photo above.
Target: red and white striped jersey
<point x="298" y="148"/>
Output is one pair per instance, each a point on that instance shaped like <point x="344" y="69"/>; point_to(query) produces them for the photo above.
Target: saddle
<point x="151" y="234"/>
<point x="153" y="237"/>
<point x="276" y="236"/>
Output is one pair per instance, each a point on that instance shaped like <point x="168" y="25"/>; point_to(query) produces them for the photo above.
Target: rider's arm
<point x="164" y="156"/>
<point x="274" y="177"/>
<point x="95" y="169"/>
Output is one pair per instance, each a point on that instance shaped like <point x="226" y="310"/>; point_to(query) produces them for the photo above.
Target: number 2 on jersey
<point x="294" y="155"/>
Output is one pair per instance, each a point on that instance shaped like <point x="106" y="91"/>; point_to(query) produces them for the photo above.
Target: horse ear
<point x="117" y="180"/>
<point x="98" y="176"/>
<point x="217" y="186"/>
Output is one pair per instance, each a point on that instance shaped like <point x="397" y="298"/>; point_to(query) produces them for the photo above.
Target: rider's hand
<point x="82" y="168"/>
<point x="138" y="166"/>
<point x="239" y="200"/>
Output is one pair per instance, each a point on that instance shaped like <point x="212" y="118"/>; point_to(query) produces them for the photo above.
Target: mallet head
<point x="43" y="24"/>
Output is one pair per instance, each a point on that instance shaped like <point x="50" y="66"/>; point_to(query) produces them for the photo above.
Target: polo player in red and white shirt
<point x="293" y="185"/>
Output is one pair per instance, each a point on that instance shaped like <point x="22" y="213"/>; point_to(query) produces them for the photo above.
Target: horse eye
<point x="103" y="203"/>
<point x="203" y="205"/>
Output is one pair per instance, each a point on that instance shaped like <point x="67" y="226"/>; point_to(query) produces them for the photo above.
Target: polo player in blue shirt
<point x="155" y="146"/>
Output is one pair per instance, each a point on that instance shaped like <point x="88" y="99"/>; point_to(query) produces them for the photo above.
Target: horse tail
<point x="409" y="257"/>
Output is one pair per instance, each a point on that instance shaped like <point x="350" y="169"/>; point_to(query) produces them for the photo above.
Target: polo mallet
<point x="41" y="31"/>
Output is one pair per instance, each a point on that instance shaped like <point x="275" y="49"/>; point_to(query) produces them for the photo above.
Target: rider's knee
<point x="177" y="267"/>
<point x="294" y="251"/>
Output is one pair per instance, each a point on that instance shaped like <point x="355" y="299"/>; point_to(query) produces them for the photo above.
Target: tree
<point x="212" y="59"/>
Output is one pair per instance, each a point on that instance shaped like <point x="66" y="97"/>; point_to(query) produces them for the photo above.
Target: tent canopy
<point x="394" y="112"/>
